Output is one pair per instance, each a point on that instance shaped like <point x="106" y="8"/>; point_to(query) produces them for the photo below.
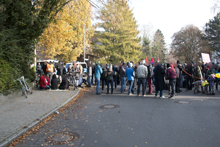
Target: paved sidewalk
<point x="19" y="114"/>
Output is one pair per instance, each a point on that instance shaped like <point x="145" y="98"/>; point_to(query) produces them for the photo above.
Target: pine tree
<point x="158" y="47"/>
<point x="146" y="48"/>
<point x="212" y="32"/>
<point x="119" y="41"/>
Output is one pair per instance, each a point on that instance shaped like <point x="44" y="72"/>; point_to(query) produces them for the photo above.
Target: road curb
<point x="34" y="123"/>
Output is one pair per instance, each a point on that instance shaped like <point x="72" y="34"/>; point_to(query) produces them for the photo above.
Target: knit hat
<point x="168" y="65"/>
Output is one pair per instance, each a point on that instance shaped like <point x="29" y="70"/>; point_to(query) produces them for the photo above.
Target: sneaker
<point x="155" y="96"/>
<point x="130" y="94"/>
<point x="144" y="95"/>
<point x="171" y="97"/>
<point x="138" y="94"/>
<point x="98" y="93"/>
<point x="162" y="97"/>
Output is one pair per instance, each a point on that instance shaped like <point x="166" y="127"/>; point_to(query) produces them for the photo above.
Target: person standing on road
<point x="115" y="75"/>
<point x="142" y="73"/>
<point x="149" y="78"/>
<point x="180" y="79"/>
<point x="93" y="73"/>
<point x="98" y="72"/>
<point x="159" y="80"/>
<point x="171" y="76"/>
<point x="130" y="77"/>
<point x="103" y="77"/>
<point x="89" y="71"/>
<point x="109" y="79"/>
<point x="123" y="77"/>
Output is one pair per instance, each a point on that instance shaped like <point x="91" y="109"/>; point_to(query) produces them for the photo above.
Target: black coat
<point x="54" y="82"/>
<point x="44" y="67"/>
<point x="159" y="78"/>
<point x="64" y="84"/>
<point x="59" y="69"/>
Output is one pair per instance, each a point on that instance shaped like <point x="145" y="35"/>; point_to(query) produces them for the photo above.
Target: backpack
<point x="109" y="77"/>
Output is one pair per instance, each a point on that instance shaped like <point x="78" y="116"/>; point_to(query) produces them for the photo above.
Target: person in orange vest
<point x="50" y="70"/>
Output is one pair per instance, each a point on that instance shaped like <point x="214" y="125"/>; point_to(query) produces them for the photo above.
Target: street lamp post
<point x="84" y="42"/>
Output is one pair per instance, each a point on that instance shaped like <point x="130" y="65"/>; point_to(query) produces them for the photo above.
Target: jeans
<point x="172" y="84"/>
<point x="89" y="80"/>
<point x="181" y="81"/>
<point x="150" y="86"/>
<point x="161" y="93"/>
<point x="50" y="75"/>
<point x="143" y="82"/>
<point x="178" y="84"/>
<point x="123" y="84"/>
<point x="103" y="83"/>
<point x="98" y="84"/>
<point x="92" y="82"/>
<point x="189" y="83"/>
<point x="131" y="87"/>
<point x="111" y="81"/>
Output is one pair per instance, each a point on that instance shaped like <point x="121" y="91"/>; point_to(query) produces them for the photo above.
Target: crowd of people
<point x="140" y="78"/>
<point x="49" y="80"/>
<point x="167" y="76"/>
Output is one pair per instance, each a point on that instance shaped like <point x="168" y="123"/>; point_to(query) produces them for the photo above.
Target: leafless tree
<point x="188" y="44"/>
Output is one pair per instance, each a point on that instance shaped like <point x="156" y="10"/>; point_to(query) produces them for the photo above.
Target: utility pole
<point x="84" y="42"/>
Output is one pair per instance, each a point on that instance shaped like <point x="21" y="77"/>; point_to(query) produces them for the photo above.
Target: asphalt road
<point x="187" y="121"/>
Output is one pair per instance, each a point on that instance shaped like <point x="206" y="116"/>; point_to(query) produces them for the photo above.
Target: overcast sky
<point x="171" y="15"/>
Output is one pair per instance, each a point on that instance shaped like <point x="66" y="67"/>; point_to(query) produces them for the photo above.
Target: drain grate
<point x="182" y="102"/>
<point x="62" y="138"/>
<point x="108" y="106"/>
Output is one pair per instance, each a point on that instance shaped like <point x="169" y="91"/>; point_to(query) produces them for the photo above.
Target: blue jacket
<point x="129" y="74"/>
<point x="98" y="72"/>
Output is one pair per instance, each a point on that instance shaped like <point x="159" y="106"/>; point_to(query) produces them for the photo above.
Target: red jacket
<point x="44" y="81"/>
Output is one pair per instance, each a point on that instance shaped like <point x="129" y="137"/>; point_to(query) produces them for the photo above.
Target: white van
<point x="84" y="66"/>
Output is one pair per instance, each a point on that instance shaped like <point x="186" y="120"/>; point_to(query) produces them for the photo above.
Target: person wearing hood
<point x="54" y="82"/>
<point x="159" y="74"/>
<point x="130" y="77"/>
<point x="64" y="84"/>
<point x="98" y="72"/>
<point x="43" y="82"/>
<point x="109" y="79"/>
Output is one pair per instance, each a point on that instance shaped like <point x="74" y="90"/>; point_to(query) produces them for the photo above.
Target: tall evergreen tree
<point x="119" y="41"/>
<point x="158" y="46"/>
<point x="212" y="33"/>
<point x="146" y="48"/>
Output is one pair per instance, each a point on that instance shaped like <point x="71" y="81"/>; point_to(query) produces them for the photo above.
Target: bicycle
<point x="25" y="86"/>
